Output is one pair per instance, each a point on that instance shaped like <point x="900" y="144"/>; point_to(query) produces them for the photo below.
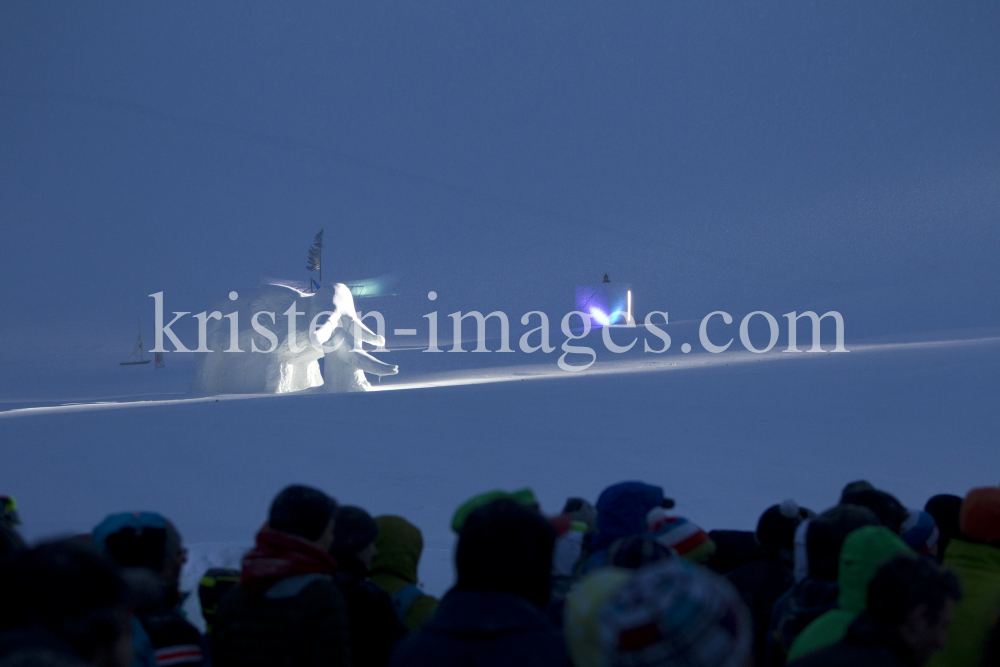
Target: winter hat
<point x="687" y="539"/>
<point x="945" y="508"/>
<point x="920" y="532"/>
<point x="622" y="510"/>
<point x="777" y="524"/>
<point x="524" y="496"/>
<point x="580" y="615"/>
<point x="353" y="530"/>
<point x="137" y="539"/>
<point x="887" y="508"/>
<point x="637" y="551"/>
<point x="980" y="516"/>
<point x="854" y="487"/>
<point x="302" y="511"/>
<point x="675" y="613"/>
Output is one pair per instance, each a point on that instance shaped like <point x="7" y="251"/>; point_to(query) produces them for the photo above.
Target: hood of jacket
<point x="399" y="546"/>
<point x="622" y="510"/>
<point x="863" y="552"/>
<point x="279" y="555"/>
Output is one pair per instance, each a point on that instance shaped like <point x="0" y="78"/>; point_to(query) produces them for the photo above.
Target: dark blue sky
<point x="736" y="156"/>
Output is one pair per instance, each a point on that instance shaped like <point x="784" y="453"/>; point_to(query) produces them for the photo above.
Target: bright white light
<point x="599" y="316"/>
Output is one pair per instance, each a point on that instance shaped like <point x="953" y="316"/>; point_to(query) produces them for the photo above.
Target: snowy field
<point x="726" y="435"/>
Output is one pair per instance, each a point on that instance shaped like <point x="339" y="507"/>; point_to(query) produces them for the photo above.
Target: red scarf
<point x="280" y="555"/>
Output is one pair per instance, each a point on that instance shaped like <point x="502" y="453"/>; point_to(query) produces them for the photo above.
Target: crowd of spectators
<point x="621" y="581"/>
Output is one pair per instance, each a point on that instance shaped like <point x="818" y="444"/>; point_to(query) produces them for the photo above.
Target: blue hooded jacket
<point x="621" y="512"/>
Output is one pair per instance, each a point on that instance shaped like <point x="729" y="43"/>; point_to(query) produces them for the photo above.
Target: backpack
<point x="405" y="597"/>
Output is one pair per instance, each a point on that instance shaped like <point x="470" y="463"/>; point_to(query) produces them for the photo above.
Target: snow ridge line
<point x="524" y="372"/>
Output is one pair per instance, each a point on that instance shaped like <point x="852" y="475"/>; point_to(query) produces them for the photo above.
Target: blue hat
<point x="133" y="539"/>
<point x="920" y="532"/>
<point x="113" y="523"/>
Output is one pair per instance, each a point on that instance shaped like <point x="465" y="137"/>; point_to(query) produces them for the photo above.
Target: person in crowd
<point x="572" y="527"/>
<point x="864" y="550"/>
<point x="945" y="508"/>
<point x="148" y="549"/>
<point x="493" y="615"/>
<point x="910" y="605"/>
<point x="686" y="539"/>
<point x="587" y="597"/>
<point x="287" y="610"/>
<point x="621" y="512"/>
<point x="64" y="603"/>
<point x="10" y="540"/>
<point x="580" y="510"/>
<point x="733" y="549"/>
<point x="394" y="570"/>
<point x="375" y="625"/>
<point x="816" y="557"/>
<point x="854" y="487"/>
<point x="920" y="532"/>
<point x="524" y="496"/>
<point x="975" y="557"/>
<point x="675" y="613"/>
<point x="890" y="512"/>
<point x="638" y="551"/>
<point x="212" y="587"/>
<point x="766" y="578"/>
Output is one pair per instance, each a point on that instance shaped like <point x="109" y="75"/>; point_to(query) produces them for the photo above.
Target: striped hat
<point x="920" y="532"/>
<point x="673" y="613"/>
<point x="687" y="539"/>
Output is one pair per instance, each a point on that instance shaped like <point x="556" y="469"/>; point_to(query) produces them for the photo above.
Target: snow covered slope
<point x="726" y="435"/>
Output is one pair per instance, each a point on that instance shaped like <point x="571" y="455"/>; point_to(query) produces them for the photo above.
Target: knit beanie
<point x="980" y="516"/>
<point x="524" y="496"/>
<point x="920" y="532"/>
<point x="580" y="615"/>
<point x="776" y="526"/>
<point x="675" y="613"/>
<point x="945" y="508"/>
<point x="136" y="539"/>
<point x="887" y="507"/>
<point x="353" y="530"/>
<point x="684" y="537"/>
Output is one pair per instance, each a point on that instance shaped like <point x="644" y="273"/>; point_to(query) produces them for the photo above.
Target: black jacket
<point x="375" y="625"/>
<point x="484" y="629"/>
<point x="175" y="641"/>
<point x="301" y="620"/>
<point x="760" y="583"/>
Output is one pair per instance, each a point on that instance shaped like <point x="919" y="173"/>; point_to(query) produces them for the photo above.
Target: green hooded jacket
<point x="863" y="552"/>
<point x="978" y="570"/>
<point x="399" y="546"/>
